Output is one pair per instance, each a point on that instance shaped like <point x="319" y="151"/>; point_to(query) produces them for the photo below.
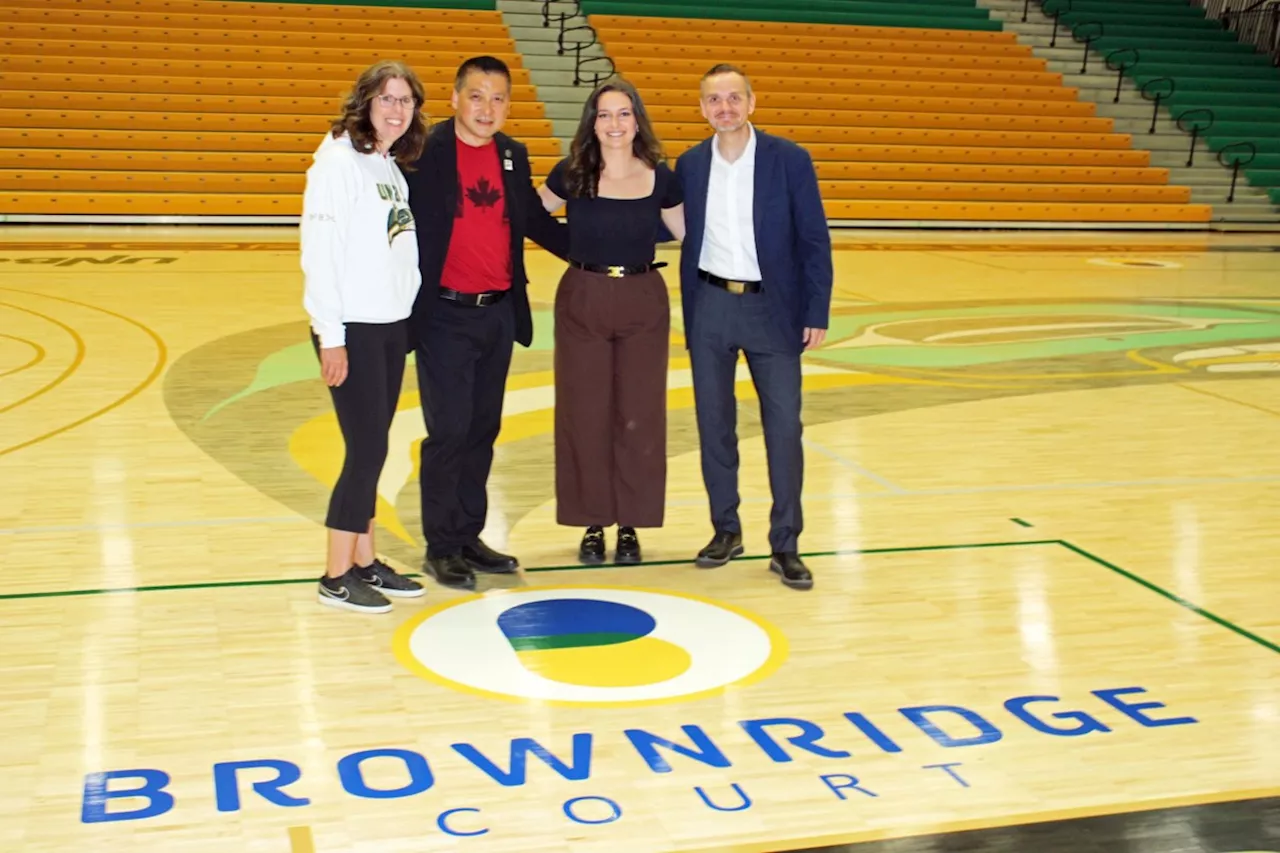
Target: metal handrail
<point x="1157" y="97"/>
<point x="596" y="76"/>
<point x="546" y="10"/>
<point x="1057" y="14"/>
<point x="1195" y="128"/>
<point x="578" y="45"/>
<point x="1237" y="163"/>
<point x="1087" y="39"/>
<point x="1121" y="67"/>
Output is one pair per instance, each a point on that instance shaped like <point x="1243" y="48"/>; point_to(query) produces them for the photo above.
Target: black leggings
<point x="365" y="403"/>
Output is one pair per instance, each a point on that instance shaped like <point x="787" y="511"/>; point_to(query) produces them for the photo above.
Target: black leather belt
<point x="618" y="271"/>
<point x="476" y="300"/>
<point x="738" y="287"/>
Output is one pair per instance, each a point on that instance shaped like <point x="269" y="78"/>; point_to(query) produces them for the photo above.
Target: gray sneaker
<point x="350" y="593"/>
<point x="389" y="582"/>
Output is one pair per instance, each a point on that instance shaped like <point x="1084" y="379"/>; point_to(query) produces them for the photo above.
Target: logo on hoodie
<point x="400" y="218"/>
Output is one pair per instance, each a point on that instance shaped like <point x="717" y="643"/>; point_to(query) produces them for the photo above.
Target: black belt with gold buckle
<point x="738" y="287"/>
<point x="618" y="271"/>
<point x="476" y="300"/>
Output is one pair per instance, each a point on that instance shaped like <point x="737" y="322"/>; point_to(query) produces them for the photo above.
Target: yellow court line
<point x="1227" y="399"/>
<point x="60" y="378"/>
<point x="954" y="826"/>
<point x="300" y="840"/>
<point x="162" y="358"/>
<point x="39" y="357"/>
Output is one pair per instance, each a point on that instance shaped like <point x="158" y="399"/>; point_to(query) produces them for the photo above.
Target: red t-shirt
<point x="479" y="257"/>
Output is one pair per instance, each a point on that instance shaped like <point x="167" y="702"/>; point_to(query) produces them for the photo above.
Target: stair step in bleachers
<point x="908" y="121"/>
<point x="213" y="107"/>
<point x="1232" y="87"/>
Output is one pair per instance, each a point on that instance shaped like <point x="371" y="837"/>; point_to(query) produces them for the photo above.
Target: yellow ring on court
<point x="39" y="356"/>
<point x="778" y="647"/>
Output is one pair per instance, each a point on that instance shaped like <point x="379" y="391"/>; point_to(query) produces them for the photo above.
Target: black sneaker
<point x="350" y="593"/>
<point x="389" y="582"/>
<point x="627" y="552"/>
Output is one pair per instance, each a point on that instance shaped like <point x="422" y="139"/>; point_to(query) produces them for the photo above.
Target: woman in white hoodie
<point x="360" y="263"/>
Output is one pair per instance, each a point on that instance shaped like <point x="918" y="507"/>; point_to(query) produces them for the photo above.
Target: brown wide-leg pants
<point x="612" y="337"/>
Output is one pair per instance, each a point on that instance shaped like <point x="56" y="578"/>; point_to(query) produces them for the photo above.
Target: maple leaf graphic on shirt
<point x="484" y="194"/>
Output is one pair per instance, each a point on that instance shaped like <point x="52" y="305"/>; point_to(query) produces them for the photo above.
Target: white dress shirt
<point x="729" y="239"/>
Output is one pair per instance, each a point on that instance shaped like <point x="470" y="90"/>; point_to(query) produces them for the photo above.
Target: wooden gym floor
<point x="1043" y="484"/>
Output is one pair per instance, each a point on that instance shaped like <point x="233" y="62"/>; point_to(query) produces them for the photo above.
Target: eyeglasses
<point x="390" y="101"/>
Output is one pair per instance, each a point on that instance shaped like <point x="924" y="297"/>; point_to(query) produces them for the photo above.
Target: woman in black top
<point x="613" y="324"/>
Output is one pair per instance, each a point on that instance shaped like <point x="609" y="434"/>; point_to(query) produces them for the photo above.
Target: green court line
<point x="1141" y="581"/>
<point x="849" y="552"/>
<point x="1021" y="522"/>
<point x="68" y="593"/>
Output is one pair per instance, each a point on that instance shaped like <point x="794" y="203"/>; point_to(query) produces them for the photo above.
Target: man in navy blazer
<point x="755" y="277"/>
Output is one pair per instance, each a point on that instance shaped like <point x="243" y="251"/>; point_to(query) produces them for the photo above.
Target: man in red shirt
<point x="472" y="196"/>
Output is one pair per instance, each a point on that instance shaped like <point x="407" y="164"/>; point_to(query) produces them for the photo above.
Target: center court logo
<point x="590" y="645"/>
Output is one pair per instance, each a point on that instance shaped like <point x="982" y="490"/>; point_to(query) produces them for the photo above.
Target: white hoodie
<point x="359" y="247"/>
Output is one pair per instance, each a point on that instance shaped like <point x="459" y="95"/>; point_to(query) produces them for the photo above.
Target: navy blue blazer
<point x="793" y="242"/>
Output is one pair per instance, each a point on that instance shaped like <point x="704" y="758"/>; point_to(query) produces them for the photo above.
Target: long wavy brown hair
<point x="582" y="172"/>
<point x="355" y="120"/>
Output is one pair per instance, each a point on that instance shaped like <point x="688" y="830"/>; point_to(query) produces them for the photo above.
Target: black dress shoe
<point x="722" y="548"/>
<point x="451" y="571"/>
<point x="591" y="551"/>
<point x="482" y="558"/>
<point x="628" y="551"/>
<point x="794" y="573"/>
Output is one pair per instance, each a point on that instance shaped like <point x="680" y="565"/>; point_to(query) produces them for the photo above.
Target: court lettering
<point x="107" y="261"/>
<point x="1134" y="711"/>
<point x="1087" y="724"/>
<point x="615" y="811"/>
<point x="743" y="804"/>
<point x="869" y="729"/>
<point x="443" y="823"/>
<point x="226" y="785"/>
<point x="93" y="807"/>
<point x="520" y="750"/>
<point x="351" y="774"/>
<point x="846" y="783"/>
<point x="705" y="751"/>
<point x="987" y="733"/>
<point x="143" y="794"/>
<point x="810" y="734"/>
<point x="946" y="768"/>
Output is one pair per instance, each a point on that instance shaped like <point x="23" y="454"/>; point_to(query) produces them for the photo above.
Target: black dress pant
<point x="463" y="356"/>
<point x="727" y="324"/>
<point x="365" y="404"/>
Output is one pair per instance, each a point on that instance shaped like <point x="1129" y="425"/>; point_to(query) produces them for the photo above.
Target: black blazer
<point x="433" y="196"/>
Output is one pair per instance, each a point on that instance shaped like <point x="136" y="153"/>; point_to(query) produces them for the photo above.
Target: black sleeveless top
<point x="614" y="231"/>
